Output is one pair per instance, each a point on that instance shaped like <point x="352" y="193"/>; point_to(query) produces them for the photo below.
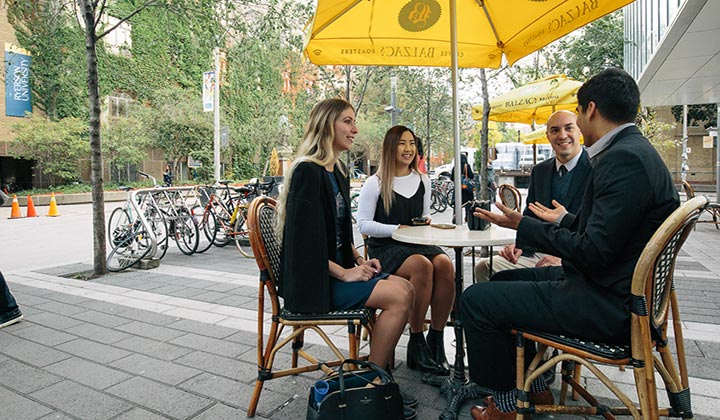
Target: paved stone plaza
<point x="178" y="342"/>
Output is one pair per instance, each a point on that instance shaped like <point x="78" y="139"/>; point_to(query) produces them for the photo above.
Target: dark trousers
<point x="7" y="301"/>
<point x="489" y="310"/>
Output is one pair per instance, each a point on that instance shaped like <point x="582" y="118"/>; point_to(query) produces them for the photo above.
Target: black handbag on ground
<point x="476" y="223"/>
<point x="353" y="395"/>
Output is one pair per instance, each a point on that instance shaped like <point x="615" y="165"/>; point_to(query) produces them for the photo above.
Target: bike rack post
<point x="143" y="220"/>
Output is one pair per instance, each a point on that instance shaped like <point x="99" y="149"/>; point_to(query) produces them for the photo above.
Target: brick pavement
<point x="178" y="342"/>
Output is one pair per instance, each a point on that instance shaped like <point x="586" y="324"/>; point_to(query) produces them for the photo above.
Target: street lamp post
<point x="393" y="109"/>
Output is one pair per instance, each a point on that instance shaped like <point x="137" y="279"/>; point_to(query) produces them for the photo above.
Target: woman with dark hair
<point x="390" y="200"/>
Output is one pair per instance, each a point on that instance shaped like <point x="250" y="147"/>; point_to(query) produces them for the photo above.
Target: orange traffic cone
<point x="53" y="212"/>
<point x="30" y="208"/>
<point x="15" y="212"/>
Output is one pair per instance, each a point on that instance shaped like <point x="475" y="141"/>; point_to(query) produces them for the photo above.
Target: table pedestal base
<point x="456" y="390"/>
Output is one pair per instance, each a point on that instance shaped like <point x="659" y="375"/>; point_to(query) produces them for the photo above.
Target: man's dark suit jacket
<point x="541" y="186"/>
<point x="630" y="193"/>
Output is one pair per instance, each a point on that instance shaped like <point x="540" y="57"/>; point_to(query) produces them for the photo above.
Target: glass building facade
<point x="646" y="22"/>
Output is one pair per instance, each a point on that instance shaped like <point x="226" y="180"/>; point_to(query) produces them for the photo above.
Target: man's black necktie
<point x="563" y="171"/>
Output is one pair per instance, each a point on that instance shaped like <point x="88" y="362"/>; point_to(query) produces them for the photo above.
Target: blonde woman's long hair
<point x="388" y="163"/>
<point x="316" y="147"/>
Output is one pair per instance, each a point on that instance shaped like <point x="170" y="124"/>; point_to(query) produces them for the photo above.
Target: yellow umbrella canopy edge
<point x="533" y="102"/>
<point x="417" y="32"/>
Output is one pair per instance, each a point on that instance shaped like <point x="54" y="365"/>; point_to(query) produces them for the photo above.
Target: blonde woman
<point x="321" y="270"/>
<point x="390" y="200"/>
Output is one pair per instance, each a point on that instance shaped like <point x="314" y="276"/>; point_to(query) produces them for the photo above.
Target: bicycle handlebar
<point x="149" y="176"/>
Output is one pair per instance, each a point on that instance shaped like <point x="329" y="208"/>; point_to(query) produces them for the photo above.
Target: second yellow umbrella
<point x="534" y="102"/>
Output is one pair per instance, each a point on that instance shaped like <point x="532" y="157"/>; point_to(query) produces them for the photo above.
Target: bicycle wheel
<point x="434" y="202"/>
<point x="240" y="232"/>
<point x="159" y="227"/>
<point x="206" y="225"/>
<point x="186" y="233"/>
<point x="118" y="218"/>
<point x="222" y="229"/>
<point x="132" y="244"/>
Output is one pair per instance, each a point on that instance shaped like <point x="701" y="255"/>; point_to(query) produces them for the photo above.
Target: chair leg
<point x="255" y="398"/>
<point x="297" y="344"/>
<point x="577" y="376"/>
<point x="567" y="366"/>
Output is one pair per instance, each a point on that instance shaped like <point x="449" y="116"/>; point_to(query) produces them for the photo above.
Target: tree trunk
<point x="98" y="200"/>
<point x="482" y="166"/>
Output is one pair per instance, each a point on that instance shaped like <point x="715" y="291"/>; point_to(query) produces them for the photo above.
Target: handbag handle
<point x="387" y="377"/>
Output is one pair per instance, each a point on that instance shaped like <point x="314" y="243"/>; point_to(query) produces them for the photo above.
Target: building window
<point x="119" y="40"/>
<point x="118" y="105"/>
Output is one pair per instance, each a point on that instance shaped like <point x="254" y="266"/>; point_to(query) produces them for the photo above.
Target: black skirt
<point x="392" y="254"/>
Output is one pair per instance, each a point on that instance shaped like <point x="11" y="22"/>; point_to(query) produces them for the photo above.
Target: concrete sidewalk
<point x="179" y="342"/>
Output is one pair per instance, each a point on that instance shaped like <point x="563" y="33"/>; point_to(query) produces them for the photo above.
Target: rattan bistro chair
<point x="261" y="224"/>
<point x="510" y="197"/>
<point x="713" y="210"/>
<point x="653" y="297"/>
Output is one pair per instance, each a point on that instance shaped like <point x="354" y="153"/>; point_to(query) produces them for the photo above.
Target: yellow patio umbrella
<point x="454" y="33"/>
<point x="447" y="33"/>
<point x="534" y="137"/>
<point x="534" y="102"/>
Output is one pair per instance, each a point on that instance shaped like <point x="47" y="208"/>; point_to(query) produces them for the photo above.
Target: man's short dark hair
<point x="615" y="93"/>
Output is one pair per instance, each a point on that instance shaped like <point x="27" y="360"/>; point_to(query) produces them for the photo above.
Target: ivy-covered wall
<point x="172" y="45"/>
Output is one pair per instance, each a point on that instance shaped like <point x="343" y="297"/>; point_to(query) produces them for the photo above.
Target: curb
<point x="60" y="199"/>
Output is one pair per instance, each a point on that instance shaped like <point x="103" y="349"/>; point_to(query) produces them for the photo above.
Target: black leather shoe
<point x="418" y="356"/>
<point x="409" y="413"/>
<point x="408" y="400"/>
<point x="436" y="343"/>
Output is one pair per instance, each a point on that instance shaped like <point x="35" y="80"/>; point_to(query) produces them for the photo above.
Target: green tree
<point x="595" y="47"/>
<point x="125" y="144"/>
<point x="704" y="115"/>
<point x="55" y="146"/>
<point x="177" y="125"/>
<point x="427" y="106"/>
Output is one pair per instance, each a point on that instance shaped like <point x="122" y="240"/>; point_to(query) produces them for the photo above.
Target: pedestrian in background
<point x="168" y="176"/>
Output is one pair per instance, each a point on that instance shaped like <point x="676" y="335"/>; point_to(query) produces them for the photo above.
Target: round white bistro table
<point x="456" y="387"/>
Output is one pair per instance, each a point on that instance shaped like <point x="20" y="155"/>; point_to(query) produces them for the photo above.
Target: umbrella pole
<point x="457" y="388"/>
<point x="455" y="106"/>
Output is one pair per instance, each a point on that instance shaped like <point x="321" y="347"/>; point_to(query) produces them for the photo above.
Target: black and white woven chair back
<point x="267" y="220"/>
<point x="663" y="270"/>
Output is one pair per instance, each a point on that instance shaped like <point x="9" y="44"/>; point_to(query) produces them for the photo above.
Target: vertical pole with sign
<point x="216" y="115"/>
<point x="18" y="95"/>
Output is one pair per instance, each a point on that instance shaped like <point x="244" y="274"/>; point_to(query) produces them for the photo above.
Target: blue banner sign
<point x="18" y="98"/>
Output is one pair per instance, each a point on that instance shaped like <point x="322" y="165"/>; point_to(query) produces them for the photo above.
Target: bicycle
<point x="129" y="237"/>
<point x="181" y="226"/>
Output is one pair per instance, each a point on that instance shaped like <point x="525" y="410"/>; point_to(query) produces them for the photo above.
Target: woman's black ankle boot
<point x="437" y="348"/>
<point x="419" y="357"/>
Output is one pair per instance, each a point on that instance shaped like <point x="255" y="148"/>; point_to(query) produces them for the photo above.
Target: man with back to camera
<point x="629" y="194"/>
<point x="548" y="182"/>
